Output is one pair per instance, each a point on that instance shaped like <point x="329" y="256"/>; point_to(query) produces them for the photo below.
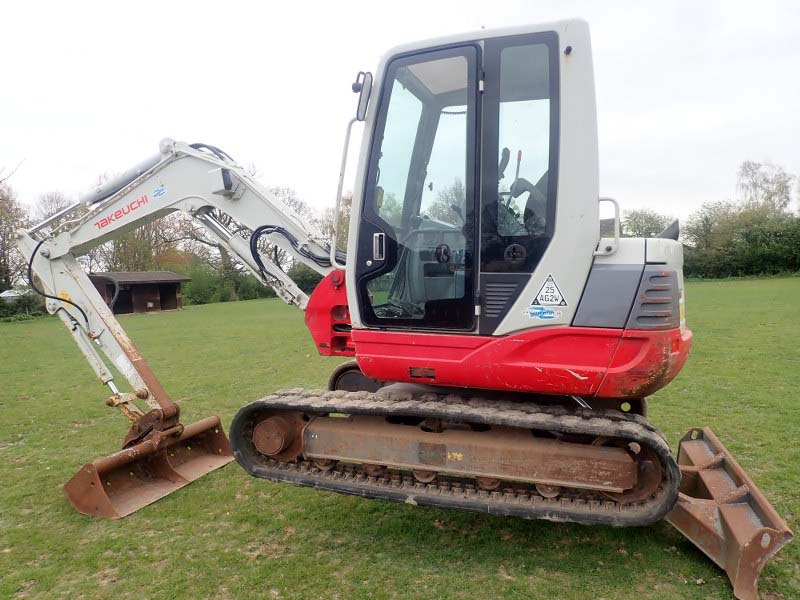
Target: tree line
<point x="755" y="233"/>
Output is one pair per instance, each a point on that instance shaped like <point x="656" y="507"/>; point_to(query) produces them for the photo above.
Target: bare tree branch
<point x="14" y="170"/>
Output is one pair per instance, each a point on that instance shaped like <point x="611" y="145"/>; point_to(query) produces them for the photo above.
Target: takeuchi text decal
<point x="121" y="212"/>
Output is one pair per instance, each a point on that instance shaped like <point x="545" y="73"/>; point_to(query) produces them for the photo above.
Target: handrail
<point x="615" y="244"/>
<point x="335" y="263"/>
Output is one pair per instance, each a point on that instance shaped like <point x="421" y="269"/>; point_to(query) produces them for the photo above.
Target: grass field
<point x="230" y="536"/>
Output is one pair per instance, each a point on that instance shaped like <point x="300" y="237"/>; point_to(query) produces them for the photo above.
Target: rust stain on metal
<point x="724" y="513"/>
<point x="272" y="435"/>
<point x="159" y="453"/>
<point x="122" y="483"/>
<point x="498" y="454"/>
<point x="487" y="483"/>
<point x="424" y="476"/>
<point x="280" y="436"/>
<point x="374" y="470"/>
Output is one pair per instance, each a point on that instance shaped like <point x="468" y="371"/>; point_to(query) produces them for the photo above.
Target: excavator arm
<point x="204" y="183"/>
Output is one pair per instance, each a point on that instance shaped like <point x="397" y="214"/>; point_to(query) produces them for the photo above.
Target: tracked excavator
<point x="502" y="348"/>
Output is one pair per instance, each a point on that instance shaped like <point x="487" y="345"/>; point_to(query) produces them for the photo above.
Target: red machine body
<point x="328" y="317"/>
<point x="580" y="361"/>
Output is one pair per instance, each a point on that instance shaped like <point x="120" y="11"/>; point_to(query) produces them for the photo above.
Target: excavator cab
<point x="439" y="202"/>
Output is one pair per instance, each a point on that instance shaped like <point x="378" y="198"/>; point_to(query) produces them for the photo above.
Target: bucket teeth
<point x="117" y="485"/>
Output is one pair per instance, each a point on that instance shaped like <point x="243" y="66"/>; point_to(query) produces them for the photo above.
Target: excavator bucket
<point x="117" y="485"/>
<point x="724" y="514"/>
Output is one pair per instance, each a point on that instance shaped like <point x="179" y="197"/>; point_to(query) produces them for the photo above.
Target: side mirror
<point x="362" y="86"/>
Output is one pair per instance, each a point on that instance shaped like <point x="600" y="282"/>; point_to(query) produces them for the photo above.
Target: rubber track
<point x="515" y="500"/>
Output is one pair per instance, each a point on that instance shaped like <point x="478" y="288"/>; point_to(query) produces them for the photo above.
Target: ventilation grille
<point x="657" y="302"/>
<point x="495" y="298"/>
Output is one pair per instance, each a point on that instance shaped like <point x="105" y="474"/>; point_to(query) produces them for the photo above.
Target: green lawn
<point x="231" y="536"/>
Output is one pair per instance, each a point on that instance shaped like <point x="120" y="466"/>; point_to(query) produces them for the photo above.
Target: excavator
<point x="502" y="350"/>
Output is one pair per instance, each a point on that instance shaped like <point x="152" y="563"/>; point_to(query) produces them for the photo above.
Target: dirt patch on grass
<point x="25" y="590"/>
<point x="271" y="551"/>
<point x="106" y="577"/>
<point x="502" y="573"/>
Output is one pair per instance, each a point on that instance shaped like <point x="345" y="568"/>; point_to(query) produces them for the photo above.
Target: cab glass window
<point x="419" y="216"/>
<point x="521" y="119"/>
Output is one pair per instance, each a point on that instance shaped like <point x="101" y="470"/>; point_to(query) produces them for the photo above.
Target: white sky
<point x="686" y="90"/>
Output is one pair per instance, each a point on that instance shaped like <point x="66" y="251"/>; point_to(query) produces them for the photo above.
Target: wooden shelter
<point x="140" y="291"/>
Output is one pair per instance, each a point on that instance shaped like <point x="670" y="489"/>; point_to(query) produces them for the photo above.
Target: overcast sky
<point x="686" y="90"/>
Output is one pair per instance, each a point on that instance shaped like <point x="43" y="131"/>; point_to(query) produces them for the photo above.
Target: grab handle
<point x="610" y="248"/>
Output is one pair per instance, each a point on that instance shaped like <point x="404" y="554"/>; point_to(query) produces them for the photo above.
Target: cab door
<point x="416" y="254"/>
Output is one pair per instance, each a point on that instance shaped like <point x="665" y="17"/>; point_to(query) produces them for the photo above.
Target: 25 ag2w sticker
<point x="549" y="294"/>
<point x="542" y="313"/>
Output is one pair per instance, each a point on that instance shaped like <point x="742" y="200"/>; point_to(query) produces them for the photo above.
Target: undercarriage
<point x="501" y="457"/>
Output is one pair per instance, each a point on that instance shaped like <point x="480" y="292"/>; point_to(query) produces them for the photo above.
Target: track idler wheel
<point x="280" y="436"/>
<point x="648" y="471"/>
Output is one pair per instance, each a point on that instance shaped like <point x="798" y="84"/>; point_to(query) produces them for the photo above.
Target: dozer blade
<point x="724" y="514"/>
<point x="117" y="485"/>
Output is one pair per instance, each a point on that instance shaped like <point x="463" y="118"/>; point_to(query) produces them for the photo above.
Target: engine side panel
<point x="608" y="296"/>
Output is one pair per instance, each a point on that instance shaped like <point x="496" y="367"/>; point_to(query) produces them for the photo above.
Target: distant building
<point x="139" y="292"/>
<point x="11" y="296"/>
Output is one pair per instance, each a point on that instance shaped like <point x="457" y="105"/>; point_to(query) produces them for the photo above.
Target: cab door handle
<point x="378" y="246"/>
